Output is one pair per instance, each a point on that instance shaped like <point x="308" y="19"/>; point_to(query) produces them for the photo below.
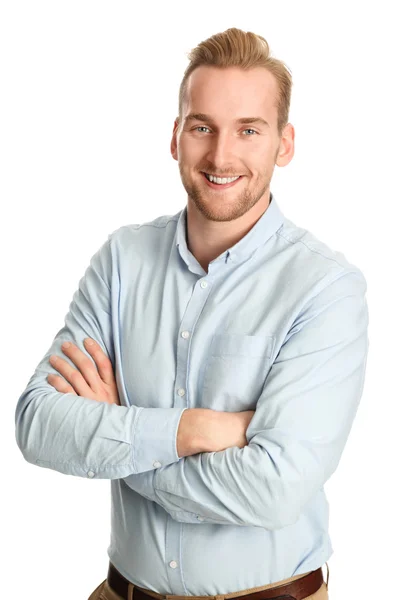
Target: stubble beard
<point x="224" y="209"/>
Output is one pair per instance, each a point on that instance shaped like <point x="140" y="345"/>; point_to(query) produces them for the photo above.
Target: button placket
<point x="185" y="334"/>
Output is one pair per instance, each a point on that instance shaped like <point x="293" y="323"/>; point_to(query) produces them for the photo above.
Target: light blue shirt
<point x="278" y="325"/>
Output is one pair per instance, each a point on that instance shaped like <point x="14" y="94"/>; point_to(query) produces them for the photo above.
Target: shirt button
<point x="173" y="564"/>
<point x="181" y="392"/>
<point x="199" y="518"/>
<point x="185" y="334"/>
<point x="156" y="464"/>
<point x="90" y="473"/>
<point x="203" y="284"/>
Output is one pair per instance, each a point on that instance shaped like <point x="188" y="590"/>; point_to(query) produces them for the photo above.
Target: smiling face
<point x="213" y="138"/>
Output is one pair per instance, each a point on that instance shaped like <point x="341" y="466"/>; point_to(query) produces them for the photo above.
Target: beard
<point x="225" y="205"/>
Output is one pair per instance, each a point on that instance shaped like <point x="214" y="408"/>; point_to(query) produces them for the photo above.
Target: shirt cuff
<point x="155" y="438"/>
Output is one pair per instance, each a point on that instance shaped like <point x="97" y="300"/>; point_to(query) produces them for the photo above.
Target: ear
<point x="174" y="141"/>
<point x="286" y="148"/>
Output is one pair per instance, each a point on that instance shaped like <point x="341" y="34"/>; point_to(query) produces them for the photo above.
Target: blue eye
<point x="204" y="127"/>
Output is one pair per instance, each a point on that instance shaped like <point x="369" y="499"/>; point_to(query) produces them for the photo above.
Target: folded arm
<point x="297" y="435"/>
<point x="80" y="436"/>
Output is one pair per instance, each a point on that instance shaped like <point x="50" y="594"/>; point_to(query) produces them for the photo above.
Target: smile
<point x="222" y="186"/>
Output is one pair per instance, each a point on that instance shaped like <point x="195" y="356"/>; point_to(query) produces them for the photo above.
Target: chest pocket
<point x="236" y="368"/>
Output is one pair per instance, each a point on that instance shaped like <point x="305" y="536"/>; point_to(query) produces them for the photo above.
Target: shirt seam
<point x="158" y="226"/>
<point x="310" y="249"/>
<point x="92" y="466"/>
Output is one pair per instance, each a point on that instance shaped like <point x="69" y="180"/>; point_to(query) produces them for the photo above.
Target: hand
<point x="214" y="431"/>
<point x="230" y="429"/>
<point x="97" y="384"/>
<point x="244" y="419"/>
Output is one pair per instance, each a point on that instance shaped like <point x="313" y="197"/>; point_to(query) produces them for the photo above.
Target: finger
<point x="103" y="363"/>
<point x="85" y="365"/>
<point x="73" y="376"/>
<point x="60" y="384"/>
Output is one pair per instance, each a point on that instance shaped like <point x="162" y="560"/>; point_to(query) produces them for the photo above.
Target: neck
<point x="207" y="239"/>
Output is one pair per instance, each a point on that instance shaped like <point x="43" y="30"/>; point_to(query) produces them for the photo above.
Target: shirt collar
<point x="269" y="222"/>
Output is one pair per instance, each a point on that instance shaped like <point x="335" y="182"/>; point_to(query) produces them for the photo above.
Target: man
<point x="227" y="364"/>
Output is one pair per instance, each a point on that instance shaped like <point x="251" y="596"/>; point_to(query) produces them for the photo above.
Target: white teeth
<point x="221" y="179"/>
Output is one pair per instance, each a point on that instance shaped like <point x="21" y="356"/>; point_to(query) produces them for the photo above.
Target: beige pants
<point x="104" y="592"/>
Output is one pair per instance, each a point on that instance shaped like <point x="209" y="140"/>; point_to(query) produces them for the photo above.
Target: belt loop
<point x="327" y="580"/>
<point x="131" y="588"/>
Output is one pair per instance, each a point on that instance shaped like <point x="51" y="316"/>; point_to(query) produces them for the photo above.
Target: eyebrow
<point x="207" y="118"/>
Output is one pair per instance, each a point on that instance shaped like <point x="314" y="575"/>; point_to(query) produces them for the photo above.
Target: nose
<point x="220" y="151"/>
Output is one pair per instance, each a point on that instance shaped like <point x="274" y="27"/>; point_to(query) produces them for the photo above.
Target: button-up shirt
<point x="277" y="325"/>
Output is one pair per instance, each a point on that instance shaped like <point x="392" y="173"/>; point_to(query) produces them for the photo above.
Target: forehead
<point x="231" y="91"/>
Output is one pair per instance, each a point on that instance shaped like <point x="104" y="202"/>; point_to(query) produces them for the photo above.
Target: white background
<point x="89" y="93"/>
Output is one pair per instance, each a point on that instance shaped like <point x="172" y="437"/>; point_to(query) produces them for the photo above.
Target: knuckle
<point x="104" y="362"/>
<point x="87" y="363"/>
<point x="74" y="375"/>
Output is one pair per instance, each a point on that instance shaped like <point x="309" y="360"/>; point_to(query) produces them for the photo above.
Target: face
<point x="210" y="139"/>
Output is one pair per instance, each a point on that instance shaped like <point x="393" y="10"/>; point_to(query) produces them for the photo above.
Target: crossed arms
<point x="294" y="441"/>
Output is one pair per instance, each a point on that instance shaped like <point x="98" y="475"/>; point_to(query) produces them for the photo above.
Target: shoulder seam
<point x="311" y="249"/>
<point x="152" y="224"/>
<point x="138" y="225"/>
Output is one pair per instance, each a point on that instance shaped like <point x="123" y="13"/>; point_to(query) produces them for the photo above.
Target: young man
<point x="228" y="361"/>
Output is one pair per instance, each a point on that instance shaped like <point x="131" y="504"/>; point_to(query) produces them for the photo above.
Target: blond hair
<point x="246" y="50"/>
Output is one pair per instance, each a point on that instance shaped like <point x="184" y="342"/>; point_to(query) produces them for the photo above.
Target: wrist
<point x="204" y="426"/>
<point x="192" y="431"/>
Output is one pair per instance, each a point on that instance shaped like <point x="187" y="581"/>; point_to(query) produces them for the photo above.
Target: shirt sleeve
<point x="298" y="432"/>
<point x="80" y="436"/>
